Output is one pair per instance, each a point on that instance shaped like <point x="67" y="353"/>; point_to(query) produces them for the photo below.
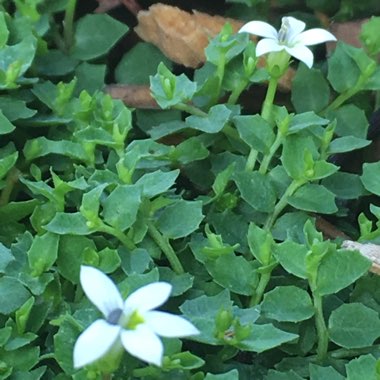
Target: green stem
<point x="128" y="243"/>
<point x="234" y="96"/>
<point x="273" y="149"/>
<point x="259" y="292"/>
<point x="251" y="160"/>
<point x="192" y="110"/>
<point x="68" y="24"/>
<point x="11" y="180"/>
<point x="281" y="204"/>
<point x="343" y="353"/>
<point x="344" y="96"/>
<point x="166" y="248"/>
<point x="323" y="338"/>
<point x="268" y="102"/>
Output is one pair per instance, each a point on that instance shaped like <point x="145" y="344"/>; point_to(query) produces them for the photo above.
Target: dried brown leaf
<point x="135" y="96"/>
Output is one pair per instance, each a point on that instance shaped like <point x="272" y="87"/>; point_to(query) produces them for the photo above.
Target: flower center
<point x="283" y="34"/>
<point x="114" y="317"/>
<point x="135" y="319"/>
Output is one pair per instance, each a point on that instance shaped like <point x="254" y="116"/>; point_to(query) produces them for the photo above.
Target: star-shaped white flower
<point x="291" y="37"/>
<point x="134" y="321"/>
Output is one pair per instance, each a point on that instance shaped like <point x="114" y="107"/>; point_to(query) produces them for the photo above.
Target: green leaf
<point x="265" y="337"/>
<point x="343" y="72"/>
<point x="68" y="224"/>
<point x="255" y="131"/>
<point x="350" y="121"/>
<point x="5" y="257"/>
<point x="180" y="282"/>
<point x="260" y="244"/>
<point x="234" y="273"/>
<point x="323" y="373"/>
<point x="354" y="326"/>
<point x="90" y="77"/>
<point x="137" y="261"/>
<point x="43" y="253"/>
<point x="339" y="269"/>
<point x="314" y="198"/>
<point x="95" y="35"/>
<point x="364" y="367"/>
<point x="41" y="147"/>
<point x="4" y="32"/>
<point x="215" y="121"/>
<point x="22" y="359"/>
<point x="292" y="256"/>
<point x="71" y="256"/>
<point x="230" y="375"/>
<point x="256" y="189"/>
<point x="157" y="182"/>
<point x="15" y="109"/>
<point x="310" y="90"/>
<point x="192" y="149"/>
<point x="202" y="312"/>
<point x="5" y="125"/>
<point x="130" y="71"/>
<point x="371" y="177"/>
<point x="13" y="295"/>
<point x="276" y="375"/>
<point x="8" y="158"/>
<point x="168" y="89"/>
<point x="347" y="144"/>
<point x="345" y="185"/>
<point x="55" y="63"/>
<point x="180" y="219"/>
<point x="287" y="304"/>
<point x="121" y="206"/>
<point x="109" y="260"/>
<point x="305" y="120"/>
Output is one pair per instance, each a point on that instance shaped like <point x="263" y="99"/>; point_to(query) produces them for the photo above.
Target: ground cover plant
<point x="188" y="241"/>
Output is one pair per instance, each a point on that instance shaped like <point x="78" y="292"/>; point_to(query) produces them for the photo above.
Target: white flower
<point x="132" y="322"/>
<point x="290" y="37"/>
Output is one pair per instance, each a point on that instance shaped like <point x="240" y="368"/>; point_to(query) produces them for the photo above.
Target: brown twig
<point x="132" y="5"/>
<point x="135" y="96"/>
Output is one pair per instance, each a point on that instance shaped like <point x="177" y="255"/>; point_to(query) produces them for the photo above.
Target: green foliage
<point x="209" y="195"/>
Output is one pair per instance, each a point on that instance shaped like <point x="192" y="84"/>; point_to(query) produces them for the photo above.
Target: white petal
<point x="295" y="27"/>
<point x="148" y="297"/>
<point x="259" y="28"/>
<point x="169" y="325"/>
<point x="144" y="344"/>
<point x="100" y="290"/>
<point x="302" y="53"/>
<point x="94" y="342"/>
<point x="314" y="37"/>
<point x="267" y="45"/>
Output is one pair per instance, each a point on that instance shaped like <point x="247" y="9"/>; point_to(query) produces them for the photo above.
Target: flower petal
<point x="169" y="325"/>
<point x="94" y="342"/>
<point x="259" y="28"/>
<point x="100" y="290"/>
<point x="148" y="297"/>
<point x="267" y="45"/>
<point x="144" y="344"/>
<point x="314" y="37"/>
<point x="295" y="27"/>
<point x="302" y="53"/>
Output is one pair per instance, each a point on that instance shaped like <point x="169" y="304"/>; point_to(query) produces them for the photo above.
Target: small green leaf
<point x="230" y="375"/>
<point x="157" y="182"/>
<point x="95" y="35"/>
<point x="180" y="219"/>
<point x="213" y="123"/>
<point x="257" y="190"/>
<point x="287" y="304"/>
<point x="68" y="224"/>
<point x="310" y="90"/>
<point x="345" y="185"/>
<point x="314" y="198"/>
<point x="363" y="367"/>
<point x="121" y="206"/>
<point x="292" y="256"/>
<point x="371" y="177"/>
<point x="43" y="253"/>
<point x="305" y="120"/>
<point x="255" y="131"/>
<point x="5" y="125"/>
<point x="347" y="144"/>
<point x="339" y="269"/>
<point x="354" y="326"/>
<point x="324" y="373"/>
<point x="13" y="295"/>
